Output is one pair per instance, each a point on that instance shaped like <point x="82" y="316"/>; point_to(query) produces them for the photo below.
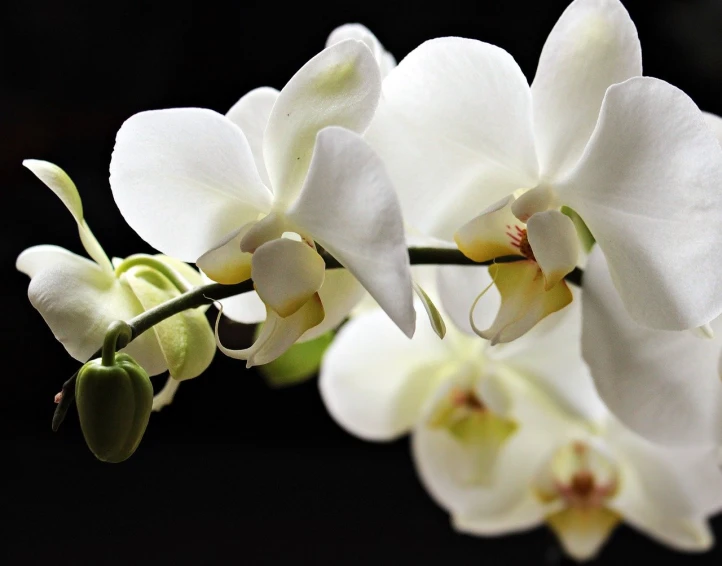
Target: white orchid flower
<point x="581" y="481"/>
<point x="79" y="298"/>
<point x="512" y="436"/>
<point x="241" y="203"/>
<point x="460" y="129"/>
<point x="384" y="59"/>
<point x="251" y="114"/>
<point x="665" y="385"/>
<point x="378" y="385"/>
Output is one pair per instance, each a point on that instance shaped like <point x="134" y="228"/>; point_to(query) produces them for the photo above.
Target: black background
<point x="233" y="471"/>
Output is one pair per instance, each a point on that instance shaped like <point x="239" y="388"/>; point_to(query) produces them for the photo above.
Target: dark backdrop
<point x="233" y="471"/>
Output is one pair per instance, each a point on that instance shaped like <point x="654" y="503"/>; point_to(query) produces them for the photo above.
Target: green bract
<point x="114" y="404"/>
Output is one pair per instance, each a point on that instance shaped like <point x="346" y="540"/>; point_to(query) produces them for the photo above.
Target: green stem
<point x="202" y="295"/>
<point x="119" y="334"/>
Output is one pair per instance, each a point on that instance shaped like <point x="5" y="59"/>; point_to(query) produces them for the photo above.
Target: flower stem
<point x="117" y="336"/>
<point x="200" y="296"/>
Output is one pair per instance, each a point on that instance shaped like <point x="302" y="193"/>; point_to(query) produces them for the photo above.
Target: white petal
<point x="384" y="59"/>
<point x="374" y="380"/>
<point x="664" y="385"/>
<point x="714" y="123"/>
<point x="340" y="293"/>
<point x="550" y="356"/>
<point x="277" y="334"/>
<point x="496" y="232"/>
<point x="593" y="46"/>
<point x="582" y="532"/>
<point x="349" y="207"/>
<point x="505" y="506"/>
<point x="454" y="129"/>
<point x="648" y="189"/>
<point x="553" y="239"/>
<point x="524" y="300"/>
<point x="165" y="396"/>
<point x="226" y="263"/>
<point x="185" y="339"/>
<point x="58" y="181"/>
<point x="666" y="492"/>
<point x="78" y="301"/>
<point x="184" y="179"/>
<point x="538" y="199"/>
<point x="266" y="229"/>
<point x="338" y="87"/>
<point x="287" y="274"/>
<point x="459" y="285"/>
<point x="251" y="114"/>
<point x="247" y="308"/>
<point x="34" y="260"/>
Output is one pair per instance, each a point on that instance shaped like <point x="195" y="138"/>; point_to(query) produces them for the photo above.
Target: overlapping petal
<point x="341" y="87"/>
<point x="384" y="59"/>
<point x="287" y="274"/>
<point x="524" y="300"/>
<point x="226" y="263"/>
<point x="553" y="239"/>
<point x="277" y="334"/>
<point x="348" y="205"/>
<point x="667" y="493"/>
<point x="496" y="232"/>
<point x="455" y="129"/>
<point x="655" y="210"/>
<point x="251" y="114"/>
<point x="458" y="287"/>
<point x="504" y="506"/>
<point x="664" y="385"/>
<point x="184" y="179"/>
<point x="593" y="45"/>
<point x="339" y="294"/>
<point x="78" y="300"/>
<point x="247" y="308"/>
<point x="549" y="356"/>
<point x="374" y="380"/>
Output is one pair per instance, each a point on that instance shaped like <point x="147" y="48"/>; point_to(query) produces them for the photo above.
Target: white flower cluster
<point x="538" y="402"/>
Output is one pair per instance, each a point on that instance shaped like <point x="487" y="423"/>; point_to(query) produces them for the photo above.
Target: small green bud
<point x="114" y="403"/>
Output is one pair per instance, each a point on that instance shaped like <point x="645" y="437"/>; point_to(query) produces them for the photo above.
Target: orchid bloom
<point x="252" y="194"/>
<point x="582" y="480"/>
<point x="79" y="298"/>
<point x="251" y="114"/>
<point x="628" y="156"/>
<point x="512" y="436"/>
<point x="378" y="385"/>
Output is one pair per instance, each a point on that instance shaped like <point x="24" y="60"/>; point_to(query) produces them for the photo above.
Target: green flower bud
<point x="114" y="403"/>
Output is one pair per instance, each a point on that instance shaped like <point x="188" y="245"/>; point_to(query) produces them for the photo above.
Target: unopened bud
<point x="114" y="404"/>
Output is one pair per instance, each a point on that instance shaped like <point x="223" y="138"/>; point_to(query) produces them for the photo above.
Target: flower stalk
<point x="214" y="291"/>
